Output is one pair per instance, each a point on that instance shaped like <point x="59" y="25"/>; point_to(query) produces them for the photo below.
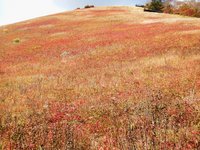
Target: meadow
<point x="105" y="78"/>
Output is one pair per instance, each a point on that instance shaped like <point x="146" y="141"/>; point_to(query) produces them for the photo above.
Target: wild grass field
<point x="105" y="78"/>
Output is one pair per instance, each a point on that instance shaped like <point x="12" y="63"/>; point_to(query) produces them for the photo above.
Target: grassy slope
<point x="89" y="57"/>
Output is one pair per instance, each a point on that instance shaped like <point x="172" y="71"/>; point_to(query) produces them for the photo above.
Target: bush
<point x="168" y="9"/>
<point x="188" y="9"/>
<point x="16" y="41"/>
<point x="155" y="6"/>
<point x="89" y="6"/>
<point x="139" y="6"/>
<point x="197" y="14"/>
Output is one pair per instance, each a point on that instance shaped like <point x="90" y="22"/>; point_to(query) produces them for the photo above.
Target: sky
<point x="12" y="11"/>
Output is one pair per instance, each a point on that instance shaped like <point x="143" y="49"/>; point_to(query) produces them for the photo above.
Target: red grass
<point x="102" y="78"/>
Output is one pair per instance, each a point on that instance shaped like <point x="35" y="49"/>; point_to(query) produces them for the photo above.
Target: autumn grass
<point x="117" y="78"/>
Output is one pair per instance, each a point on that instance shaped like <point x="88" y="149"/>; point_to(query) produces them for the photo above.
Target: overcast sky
<point x="12" y="11"/>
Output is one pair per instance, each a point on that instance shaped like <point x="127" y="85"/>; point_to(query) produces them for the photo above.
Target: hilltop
<point x="91" y="67"/>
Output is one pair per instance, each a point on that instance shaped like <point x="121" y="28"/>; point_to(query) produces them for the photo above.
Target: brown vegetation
<point x="105" y="78"/>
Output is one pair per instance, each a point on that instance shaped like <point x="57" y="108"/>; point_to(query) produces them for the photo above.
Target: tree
<point x="155" y="6"/>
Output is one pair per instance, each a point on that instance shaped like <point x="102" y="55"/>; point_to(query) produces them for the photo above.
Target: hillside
<point x="106" y="77"/>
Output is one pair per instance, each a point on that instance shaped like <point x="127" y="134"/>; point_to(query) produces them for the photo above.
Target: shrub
<point x="168" y="9"/>
<point x="89" y="6"/>
<point x="197" y="14"/>
<point x="186" y="9"/>
<point x="139" y="5"/>
<point x="17" y="40"/>
<point x="155" y="6"/>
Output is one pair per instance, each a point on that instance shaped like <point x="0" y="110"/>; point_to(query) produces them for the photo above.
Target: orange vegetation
<point x="100" y="78"/>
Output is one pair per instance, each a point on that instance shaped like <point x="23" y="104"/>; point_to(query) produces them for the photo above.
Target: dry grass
<point x="101" y="78"/>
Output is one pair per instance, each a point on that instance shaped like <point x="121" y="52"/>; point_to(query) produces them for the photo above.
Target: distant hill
<point x="106" y="74"/>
